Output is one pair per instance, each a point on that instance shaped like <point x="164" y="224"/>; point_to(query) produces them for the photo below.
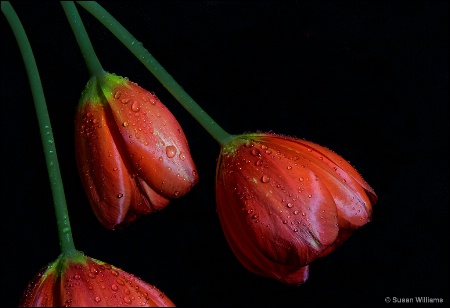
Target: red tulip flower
<point x="131" y="152"/>
<point x="81" y="281"/>
<point x="283" y="202"/>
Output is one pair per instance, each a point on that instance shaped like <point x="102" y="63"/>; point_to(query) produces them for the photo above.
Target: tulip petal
<point x="102" y="170"/>
<point x="150" y="130"/>
<point x="81" y="281"/>
<point x="274" y="223"/>
<point x="353" y="196"/>
<point x="132" y="154"/>
<point x="283" y="202"/>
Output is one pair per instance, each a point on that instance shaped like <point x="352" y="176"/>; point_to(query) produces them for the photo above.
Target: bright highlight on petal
<point x="81" y="281"/>
<point x="283" y="202"/>
<point x="132" y="154"/>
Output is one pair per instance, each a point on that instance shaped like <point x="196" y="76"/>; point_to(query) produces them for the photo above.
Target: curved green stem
<point x="59" y="200"/>
<point x="220" y="135"/>
<point x="92" y="62"/>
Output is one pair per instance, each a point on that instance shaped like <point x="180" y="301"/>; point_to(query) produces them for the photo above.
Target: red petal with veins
<point x="283" y="203"/>
<point x="81" y="281"/>
<point x="132" y="154"/>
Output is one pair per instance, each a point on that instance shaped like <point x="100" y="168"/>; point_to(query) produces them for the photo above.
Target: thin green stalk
<point x="59" y="200"/>
<point x="92" y="62"/>
<point x="220" y="135"/>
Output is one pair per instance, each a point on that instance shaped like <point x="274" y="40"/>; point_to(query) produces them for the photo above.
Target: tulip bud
<point x="132" y="154"/>
<point x="81" y="281"/>
<point x="283" y="202"/>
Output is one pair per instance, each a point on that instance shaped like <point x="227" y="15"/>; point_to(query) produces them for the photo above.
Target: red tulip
<point x="132" y="154"/>
<point x="81" y="281"/>
<point x="283" y="202"/>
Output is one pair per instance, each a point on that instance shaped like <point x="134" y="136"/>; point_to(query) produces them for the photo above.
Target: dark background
<point x="368" y="79"/>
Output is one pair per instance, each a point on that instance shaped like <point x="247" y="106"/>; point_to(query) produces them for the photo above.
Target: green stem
<point x="59" y="200"/>
<point x="92" y="62"/>
<point x="220" y="135"/>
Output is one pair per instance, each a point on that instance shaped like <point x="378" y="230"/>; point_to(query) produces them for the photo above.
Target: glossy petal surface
<point x="82" y="281"/>
<point x="283" y="202"/>
<point x="132" y="154"/>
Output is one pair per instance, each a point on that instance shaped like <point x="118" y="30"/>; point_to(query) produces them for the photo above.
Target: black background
<point x="368" y="79"/>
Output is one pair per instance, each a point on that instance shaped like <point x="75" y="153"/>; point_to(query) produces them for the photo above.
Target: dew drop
<point x="171" y="151"/>
<point x="114" y="287"/>
<point x="177" y="193"/>
<point x="114" y="169"/>
<point x="265" y="179"/>
<point x="125" y="124"/>
<point x="77" y="277"/>
<point x="117" y="95"/>
<point x="289" y="167"/>
<point x="114" y="273"/>
<point x="285" y="222"/>
<point x="309" y="196"/>
<point x="289" y="205"/>
<point x="119" y="196"/>
<point x="295" y="212"/>
<point x="125" y="100"/>
<point x="135" y="106"/>
<point x="301" y="179"/>
<point x="259" y="162"/>
<point x="127" y="300"/>
<point x="255" y="152"/>
<point x="182" y="156"/>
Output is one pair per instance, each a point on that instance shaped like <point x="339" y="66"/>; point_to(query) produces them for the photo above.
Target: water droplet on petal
<point x="119" y="196"/>
<point x="97" y="299"/>
<point x="119" y="281"/>
<point x="117" y="95"/>
<point x="171" y="151"/>
<point x="135" y="106"/>
<point x="289" y="167"/>
<point x="259" y="162"/>
<point x="125" y="100"/>
<point x="289" y="205"/>
<point x="114" y="287"/>
<point x="125" y="124"/>
<point x="265" y="179"/>
<point x="127" y="299"/>
<point x="255" y="152"/>
<point x="309" y="196"/>
<point x="176" y="193"/>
